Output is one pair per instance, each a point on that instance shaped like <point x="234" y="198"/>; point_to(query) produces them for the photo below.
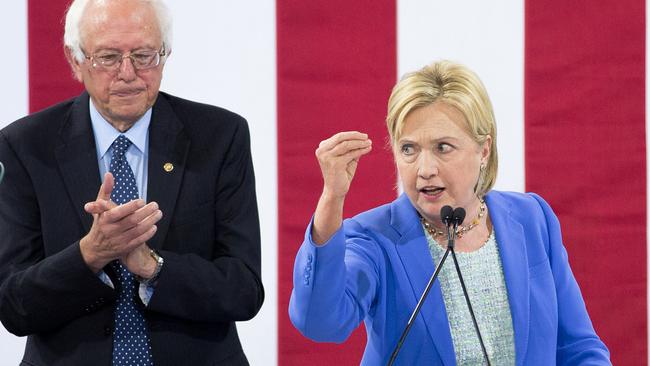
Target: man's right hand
<point x="116" y="230"/>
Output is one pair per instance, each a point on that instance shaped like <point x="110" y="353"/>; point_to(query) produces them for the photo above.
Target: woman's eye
<point x="408" y="149"/>
<point x="444" y="147"/>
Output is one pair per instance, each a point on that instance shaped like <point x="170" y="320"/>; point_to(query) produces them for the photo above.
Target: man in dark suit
<point x="128" y="216"/>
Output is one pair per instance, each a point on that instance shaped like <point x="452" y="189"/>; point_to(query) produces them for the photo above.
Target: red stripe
<point x="585" y="153"/>
<point x="50" y="76"/>
<point x="336" y="67"/>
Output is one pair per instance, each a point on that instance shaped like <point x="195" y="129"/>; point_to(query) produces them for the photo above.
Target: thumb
<point x="103" y="201"/>
<point x="106" y="188"/>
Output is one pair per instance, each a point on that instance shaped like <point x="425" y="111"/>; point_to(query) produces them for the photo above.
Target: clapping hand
<point x="118" y="232"/>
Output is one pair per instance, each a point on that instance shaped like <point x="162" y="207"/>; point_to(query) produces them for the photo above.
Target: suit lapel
<point x="512" y="250"/>
<point x="76" y="156"/>
<point x="413" y="251"/>
<point x="168" y="144"/>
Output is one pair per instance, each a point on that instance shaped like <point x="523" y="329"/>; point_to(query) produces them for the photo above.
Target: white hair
<point x="72" y="36"/>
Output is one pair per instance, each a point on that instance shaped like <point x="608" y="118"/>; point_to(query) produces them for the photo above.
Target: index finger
<point x="99" y="206"/>
<point x="331" y="142"/>
<point x="119" y="212"/>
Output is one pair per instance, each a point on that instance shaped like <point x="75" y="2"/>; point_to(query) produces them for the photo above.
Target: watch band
<point x="156" y="273"/>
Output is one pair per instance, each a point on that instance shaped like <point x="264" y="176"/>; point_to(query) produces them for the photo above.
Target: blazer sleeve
<point x="227" y="287"/>
<point x="334" y="285"/>
<point x="577" y="342"/>
<point x="38" y="293"/>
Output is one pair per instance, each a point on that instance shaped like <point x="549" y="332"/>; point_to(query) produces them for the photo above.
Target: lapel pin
<point x="168" y="167"/>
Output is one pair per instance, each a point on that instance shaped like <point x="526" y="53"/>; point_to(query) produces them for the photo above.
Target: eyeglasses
<point x="141" y="60"/>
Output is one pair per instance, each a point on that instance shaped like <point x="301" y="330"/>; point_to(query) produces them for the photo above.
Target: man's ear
<point x="74" y="64"/>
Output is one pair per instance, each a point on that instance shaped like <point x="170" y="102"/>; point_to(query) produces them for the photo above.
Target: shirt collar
<point x="105" y="133"/>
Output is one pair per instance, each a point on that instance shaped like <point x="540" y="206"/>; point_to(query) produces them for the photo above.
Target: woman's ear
<point x="485" y="149"/>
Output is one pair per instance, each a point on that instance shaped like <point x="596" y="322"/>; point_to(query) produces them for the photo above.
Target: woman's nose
<point x="427" y="165"/>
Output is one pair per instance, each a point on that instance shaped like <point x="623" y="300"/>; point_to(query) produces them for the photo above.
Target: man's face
<point x="122" y="95"/>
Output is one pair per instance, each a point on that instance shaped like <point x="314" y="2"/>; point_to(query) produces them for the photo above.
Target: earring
<point x="481" y="177"/>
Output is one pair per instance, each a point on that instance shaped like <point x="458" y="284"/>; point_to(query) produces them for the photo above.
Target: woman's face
<point x="438" y="162"/>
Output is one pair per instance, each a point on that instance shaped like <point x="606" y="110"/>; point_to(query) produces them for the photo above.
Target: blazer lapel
<point x="512" y="250"/>
<point x="76" y="156"/>
<point x="168" y="150"/>
<point x="413" y="251"/>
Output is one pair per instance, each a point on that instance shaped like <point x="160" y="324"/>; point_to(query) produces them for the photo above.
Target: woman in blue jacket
<point x="375" y="266"/>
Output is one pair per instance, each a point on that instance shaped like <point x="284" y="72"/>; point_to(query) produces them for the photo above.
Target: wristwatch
<point x="156" y="273"/>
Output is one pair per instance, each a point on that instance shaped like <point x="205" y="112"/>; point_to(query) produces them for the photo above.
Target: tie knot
<point x="120" y="145"/>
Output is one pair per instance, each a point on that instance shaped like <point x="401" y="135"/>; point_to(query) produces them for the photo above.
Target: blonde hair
<point x="455" y="85"/>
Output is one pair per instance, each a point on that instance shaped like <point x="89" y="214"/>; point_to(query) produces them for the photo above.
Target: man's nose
<point x="126" y="71"/>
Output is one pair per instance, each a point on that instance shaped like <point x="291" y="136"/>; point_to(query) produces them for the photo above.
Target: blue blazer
<point x="376" y="267"/>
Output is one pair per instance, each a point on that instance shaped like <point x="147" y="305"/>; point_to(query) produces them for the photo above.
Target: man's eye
<point x="108" y="59"/>
<point x="142" y="57"/>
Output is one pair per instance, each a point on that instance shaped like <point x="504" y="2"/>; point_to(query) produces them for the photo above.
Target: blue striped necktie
<point x="131" y="344"/>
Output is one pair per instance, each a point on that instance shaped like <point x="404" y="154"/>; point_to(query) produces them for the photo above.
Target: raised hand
<point x="338" y="157"/>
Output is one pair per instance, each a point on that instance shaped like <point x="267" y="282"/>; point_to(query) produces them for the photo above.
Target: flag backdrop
<point x="567" y="80"/>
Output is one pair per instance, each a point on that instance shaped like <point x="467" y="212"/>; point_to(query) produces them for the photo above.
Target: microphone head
<point x="446" y="214"/>
<point x="459" y="215"/>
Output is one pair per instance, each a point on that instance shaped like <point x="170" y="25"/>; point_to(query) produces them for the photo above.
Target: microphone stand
<point x="450" y="247"/>
<point x="418" y="307"/>
<point x="447" y="217"/>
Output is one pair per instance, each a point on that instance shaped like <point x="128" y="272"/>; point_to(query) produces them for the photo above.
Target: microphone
<point x="446" y="214"/>
<point x="458" y="216"/>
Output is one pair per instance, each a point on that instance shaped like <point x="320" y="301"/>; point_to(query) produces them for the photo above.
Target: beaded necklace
<point x="460" y="230"/>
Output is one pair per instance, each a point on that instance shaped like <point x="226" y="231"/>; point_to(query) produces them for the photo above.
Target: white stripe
<point x="13" y="73"/>
<point x="224" y="54"/>
<point x="488" y="37"/>
<point x="15" y="104"/>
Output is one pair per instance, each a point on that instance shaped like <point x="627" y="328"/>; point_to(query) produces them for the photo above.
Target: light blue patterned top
<point x="483" y="276"/>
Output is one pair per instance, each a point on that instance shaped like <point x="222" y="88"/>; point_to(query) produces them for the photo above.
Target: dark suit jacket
<point x="208" y="237"/>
